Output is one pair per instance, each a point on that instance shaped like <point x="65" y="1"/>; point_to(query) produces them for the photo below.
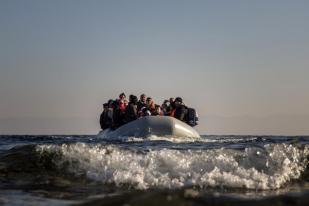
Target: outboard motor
<point x="192" y="117"/>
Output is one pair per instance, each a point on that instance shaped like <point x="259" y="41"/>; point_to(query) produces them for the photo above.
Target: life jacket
<point x="192" y="117"/>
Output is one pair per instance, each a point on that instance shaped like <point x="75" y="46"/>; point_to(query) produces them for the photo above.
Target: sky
<point x="243" y="65"/>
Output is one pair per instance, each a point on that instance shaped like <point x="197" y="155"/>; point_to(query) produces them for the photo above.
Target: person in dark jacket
<point x="157" y="111"/>
<point x="117" y="115"/>
<point x="144" y="112"/>
<point x="150" y="104"/>
<point x="180" y="110"/>
<point x="171" y="107"/>
<point x="106" y="117"/>
<point x="165" y="107"/>
<point x="131" y="109"/>
<point x="142" y="102"/>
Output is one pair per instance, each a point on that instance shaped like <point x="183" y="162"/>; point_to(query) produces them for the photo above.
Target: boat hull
<point x="153" y="125"/>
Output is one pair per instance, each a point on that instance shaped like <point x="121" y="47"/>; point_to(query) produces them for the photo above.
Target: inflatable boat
<point x="152" y="125"/>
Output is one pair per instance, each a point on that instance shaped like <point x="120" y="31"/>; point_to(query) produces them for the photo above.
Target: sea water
<point x="214" y="170"/>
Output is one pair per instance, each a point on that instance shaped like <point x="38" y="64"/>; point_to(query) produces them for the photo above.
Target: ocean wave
<point x="260" y="168"/>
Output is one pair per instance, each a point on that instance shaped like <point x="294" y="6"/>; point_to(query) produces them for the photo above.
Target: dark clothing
<point x="192" y="118"/>
<point x="145" y="112"/>
<point x="170" y="108"/>
<point x="131" y="112"/>
<point x="118" y="117"/>
<point x="181" y="113"/>
<point x="102" y="122"/>
<point x="106" y="120"/>
<point x="140" y="105"/>
<point x="156" y="113"/>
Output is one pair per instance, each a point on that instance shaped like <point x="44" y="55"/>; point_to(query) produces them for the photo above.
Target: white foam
<point x="255" y="168"/>
<point x="151" y="138"/>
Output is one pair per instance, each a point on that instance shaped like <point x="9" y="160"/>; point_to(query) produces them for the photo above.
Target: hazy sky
<point x="244" y="65"/>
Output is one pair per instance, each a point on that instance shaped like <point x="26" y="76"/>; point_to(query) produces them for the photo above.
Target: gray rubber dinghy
<point x="153" y="125"/>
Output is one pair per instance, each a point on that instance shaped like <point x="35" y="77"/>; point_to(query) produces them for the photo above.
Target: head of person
<point x="157" y="108"/>
<point x="133" y="99"/>
<point x="122" y="96"/>
<point x="165" y="103"/>
<point x="149" y="101"/>
<point x="115" y="104"/>
<point x="105" y="106"/>
<point x="172" y="100"/>
<point x="143" y="98"/>
<point x="178" y="101"/>
<point x="110" y="103"/>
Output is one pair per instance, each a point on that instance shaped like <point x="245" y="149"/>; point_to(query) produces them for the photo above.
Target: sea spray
<point x="271" y="166"/>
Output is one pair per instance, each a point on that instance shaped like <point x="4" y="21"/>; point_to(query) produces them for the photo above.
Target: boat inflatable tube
<point x="153" y="125"/>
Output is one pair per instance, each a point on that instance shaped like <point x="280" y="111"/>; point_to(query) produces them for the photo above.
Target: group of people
<point x="121" y="111"/>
